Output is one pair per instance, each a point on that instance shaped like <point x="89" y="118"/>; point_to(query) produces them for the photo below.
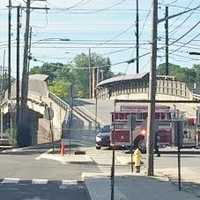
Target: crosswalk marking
<point x="10" y="180"/>
<point x="39" y="181"/>
<point x="69" y="182"/>
<point x="61" y="183"/>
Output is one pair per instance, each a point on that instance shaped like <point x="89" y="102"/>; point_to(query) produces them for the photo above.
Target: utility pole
<point x="137" y="37"/>
<point x="166" y="41"/>
<point x="90" y="75"/>
<point x="24" y="86"/>
<point x="9" y="59"/>
<point x="18" y="72"/>
<point x="152" y="94"/>
<point x="29" y="48"/>
<point x="26" y="57"/>
<point x="25" y="73"/>
<point x="2" y="91"/>
<point x="9" y="47"/>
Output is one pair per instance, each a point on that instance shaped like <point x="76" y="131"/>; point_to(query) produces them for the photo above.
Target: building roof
<point x="123" y="78"/>
<point x="37" y="86"/>
<point x="39" y="77"/>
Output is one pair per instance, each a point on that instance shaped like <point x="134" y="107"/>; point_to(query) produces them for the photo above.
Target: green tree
<point x="36" y="70"/>
<point x="81" y="71"/>
<point x="60" y="88"/>
<point x="50" y="69"/>
<point x="76" y="73"/>
<point x="174" y="70"/>
<point x="188" y="75"/>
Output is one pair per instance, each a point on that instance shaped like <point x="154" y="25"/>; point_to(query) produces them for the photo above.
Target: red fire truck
<point x="121" y="131"/>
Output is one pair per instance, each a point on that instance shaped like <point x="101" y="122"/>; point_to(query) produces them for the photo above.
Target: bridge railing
<point x="77" y="110"/>
<point x="59" y="101"/>
<point x="166" y="87"/>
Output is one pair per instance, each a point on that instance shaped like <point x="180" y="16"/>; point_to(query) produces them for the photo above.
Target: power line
<point x="73" y="6"/>
<point x="145" y="21"/>
<point x="179" y="43"/>
<point x="109" y="7"/>
<point x="182" y="23"/>
<point x="186" y="57"/>
<point x="177" y="18"/>
<point x="186" y="43"/>
<point x="174" y="1"/>
<point x="176" y="6"/>
<point x="186" y="33"/>
<point x="117" y="51"/>
<point x="89" y="11"/>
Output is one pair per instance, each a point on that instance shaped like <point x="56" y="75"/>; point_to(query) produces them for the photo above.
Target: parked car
<point x="103" y="137"/>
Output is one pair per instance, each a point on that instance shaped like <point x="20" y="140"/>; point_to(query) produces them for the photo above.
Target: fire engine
<point x="121" y="130"/>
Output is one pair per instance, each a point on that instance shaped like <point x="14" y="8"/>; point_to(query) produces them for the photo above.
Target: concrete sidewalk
<point x="135" y="187"/>
<point x="67" y="158"/>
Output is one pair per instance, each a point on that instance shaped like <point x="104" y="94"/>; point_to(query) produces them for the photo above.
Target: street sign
<point x="49" y="113"/>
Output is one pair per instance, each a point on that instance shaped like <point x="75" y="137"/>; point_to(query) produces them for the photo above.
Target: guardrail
<point x="66" y="106"/>
<point x="59" y="101"/>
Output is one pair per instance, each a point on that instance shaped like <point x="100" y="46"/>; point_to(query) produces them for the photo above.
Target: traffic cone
<point x="62" y="149"/>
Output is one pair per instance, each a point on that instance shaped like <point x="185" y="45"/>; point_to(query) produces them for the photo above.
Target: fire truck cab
<point x="121" y="131"/>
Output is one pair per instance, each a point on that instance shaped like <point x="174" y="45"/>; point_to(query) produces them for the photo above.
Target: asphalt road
<point x="51" y="175"/>
<point x="26" y="167"/>
<point x="50" y="191"/>
<point x="20" y="171"/>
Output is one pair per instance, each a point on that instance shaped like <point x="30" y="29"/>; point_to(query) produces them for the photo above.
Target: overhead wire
<point x="145" y="21"/>
<point x="72" y="6"/>
<point x="174" y="1"/>
<point x="89" y="11"/>
<point x="109" y="7"/>
<point x="117" y="51"/>
<point x="196" y="36"/>
<point x="186" y="33"/>
<point x="174" y="30"/>
<point x="197" y="10"/>
<point x="186" y="57"/>
<point x="177" y="18"/>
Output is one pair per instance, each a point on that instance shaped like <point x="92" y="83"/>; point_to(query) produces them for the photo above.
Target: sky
<point x="107" y="27"/>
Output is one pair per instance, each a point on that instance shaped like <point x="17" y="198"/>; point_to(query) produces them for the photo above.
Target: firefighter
<point x="156" y="145"/>
<point x="137" y="156"/>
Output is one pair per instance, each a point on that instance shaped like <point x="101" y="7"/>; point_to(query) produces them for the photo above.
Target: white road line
<point x="69" y="182"/>
<point x="10" y="180"/>
<point x="40" y="181"/>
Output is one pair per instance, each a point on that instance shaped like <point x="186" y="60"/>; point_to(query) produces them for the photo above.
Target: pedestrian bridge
<point x="86" y="113"/>
<point x="39" y="99"/>
<point x="136" y="87"/>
